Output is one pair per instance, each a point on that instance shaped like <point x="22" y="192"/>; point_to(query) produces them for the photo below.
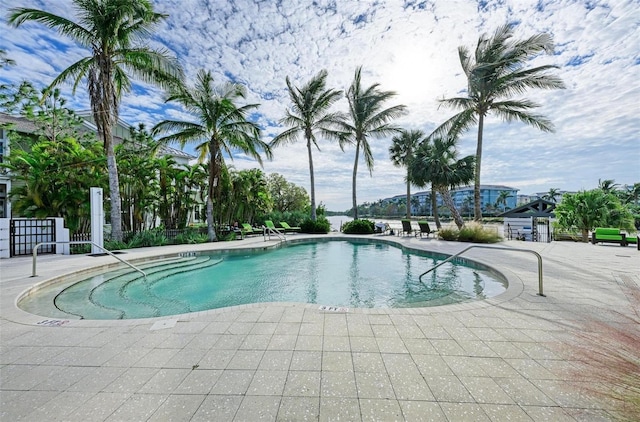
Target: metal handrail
<point x="80" y="242"/>
<point x="540" y="292"/>
<point x="266" y="231"/>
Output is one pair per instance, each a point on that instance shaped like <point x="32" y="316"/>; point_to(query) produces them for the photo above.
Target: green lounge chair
<point x="248" y="230"/>
<point x="272" y="226"/>
<point x="288" y="229"/>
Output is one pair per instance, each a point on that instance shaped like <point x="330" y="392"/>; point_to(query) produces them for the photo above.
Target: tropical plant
<point x="436" y="162"/>
<point x="55" y="166"/>
<point x="108" y="28"/>
<point x="310" y="117"/>
<point x="138" y="177"/>
<point x="401" y="151"/>
<point x="367" y="119"/>
<point x="586" y="210"/>
<point x="53" y="179"/>
<point x="495" y="73"/>
<point x="220" y="128"/>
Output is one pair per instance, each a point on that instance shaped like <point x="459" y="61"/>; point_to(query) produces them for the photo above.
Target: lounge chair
<point x="406" y="227"/>
<point x="272" y="226"/>
<point x="248" y="230"/>
<point x="382" y="228"/>
<point x="288" y="229"/>
<point x="425" y="229"/>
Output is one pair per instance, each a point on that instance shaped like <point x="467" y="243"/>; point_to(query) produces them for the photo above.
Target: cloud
<point x="409" y="47"/>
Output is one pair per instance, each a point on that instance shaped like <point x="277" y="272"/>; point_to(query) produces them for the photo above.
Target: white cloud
<point x="408" y="47"/>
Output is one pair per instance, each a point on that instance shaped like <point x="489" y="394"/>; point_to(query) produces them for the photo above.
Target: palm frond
<point x="83" y="36"/>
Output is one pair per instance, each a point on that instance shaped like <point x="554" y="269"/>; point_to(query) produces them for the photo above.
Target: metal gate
<point x="25" y="234"/>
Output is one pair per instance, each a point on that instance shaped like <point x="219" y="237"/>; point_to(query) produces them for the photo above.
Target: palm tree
<point x="495" y="74"/>
<point x="552" y="195"/>
<point x="401" y="151"/>
<point x="220" y="127"/>
<point x="608" y="185"/>
<point x="503" y="195"/>
<point x="436" y="162"/>
<point x="309" y="116"/>
<point x="108" y="28"/>
<point x="4" y="60"/>
<point x="368" y="118"/>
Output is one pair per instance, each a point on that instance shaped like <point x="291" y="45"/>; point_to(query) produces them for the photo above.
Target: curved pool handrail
<point x="80" y="242"/>
<point x="540" y="292"/>
<point x="266" y="231"/>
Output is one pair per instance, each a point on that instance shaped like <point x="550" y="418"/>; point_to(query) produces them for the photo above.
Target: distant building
<point x="463" y="199"/>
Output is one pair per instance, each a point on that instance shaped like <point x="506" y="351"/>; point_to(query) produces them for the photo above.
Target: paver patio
<point x="506" y="358"/>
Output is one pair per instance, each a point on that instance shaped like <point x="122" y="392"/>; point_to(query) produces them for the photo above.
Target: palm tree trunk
<point x="353" y="183"/>
<point x="434" y="207"/>
<point x="408" y="198"/>
<point x="448" y="201"/>
<point x="212" y="182"/>
<point x="314" y="216"/>
<point x="477" y="210"/>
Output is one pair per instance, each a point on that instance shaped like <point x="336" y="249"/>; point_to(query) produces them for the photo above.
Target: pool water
<point x="336" y="273"/>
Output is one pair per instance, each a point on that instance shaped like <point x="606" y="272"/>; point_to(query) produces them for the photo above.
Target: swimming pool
<point x="354" y="273"/>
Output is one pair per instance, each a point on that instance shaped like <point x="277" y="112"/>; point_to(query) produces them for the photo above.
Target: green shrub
<point x="320" y="226"/>
<point x="190" y="237"/>
<point x="112" y="245"/>
<point x="471" y="232"/>
<point x="358" y="227"/>
<point x="155" y="237"/>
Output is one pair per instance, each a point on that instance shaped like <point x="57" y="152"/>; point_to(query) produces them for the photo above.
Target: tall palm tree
<point x="436" y="162"/>
<point x="310" y="117"/>
<point x="495" y="73"/>
<point x="220" y="128"/>
<point x="368" y="119"/>
<point x="109" y="29"/>
<point x="401" y="151"/>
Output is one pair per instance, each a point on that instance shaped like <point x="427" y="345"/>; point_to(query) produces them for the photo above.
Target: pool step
<point x="91" y="298"/>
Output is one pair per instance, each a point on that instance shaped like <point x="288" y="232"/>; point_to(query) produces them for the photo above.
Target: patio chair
<point x="288" y="229"/>
<point x="248" y="230"/>
<point x="406" y="227"/>
<point x="269" y="224"/>
<point x="425" y="229"/>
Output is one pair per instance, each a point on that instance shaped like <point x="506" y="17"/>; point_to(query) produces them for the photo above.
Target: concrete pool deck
<point x="506" y="358"/>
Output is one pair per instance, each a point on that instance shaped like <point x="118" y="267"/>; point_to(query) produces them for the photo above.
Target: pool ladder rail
<point x="267" y="231"/>
<point x="452" y="257"/>
<point x="80" y="242"/>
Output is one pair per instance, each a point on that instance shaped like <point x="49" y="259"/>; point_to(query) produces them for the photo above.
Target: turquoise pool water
<point x="336" y="273"/>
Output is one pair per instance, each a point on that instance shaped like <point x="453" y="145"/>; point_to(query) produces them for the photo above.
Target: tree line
<point x="221" y="124"/>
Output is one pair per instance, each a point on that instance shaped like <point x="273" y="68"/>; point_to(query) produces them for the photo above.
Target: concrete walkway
<point x="512" y="357"/>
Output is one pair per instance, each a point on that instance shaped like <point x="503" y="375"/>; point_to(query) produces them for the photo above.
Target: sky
<point x="410" y="47"/>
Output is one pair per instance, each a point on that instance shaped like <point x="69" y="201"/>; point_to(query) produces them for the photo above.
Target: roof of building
<point x="537" y="208"/>
<point x="18" y="123"/>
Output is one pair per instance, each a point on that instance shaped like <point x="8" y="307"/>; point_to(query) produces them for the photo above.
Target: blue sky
<point x="409" y="47"/>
